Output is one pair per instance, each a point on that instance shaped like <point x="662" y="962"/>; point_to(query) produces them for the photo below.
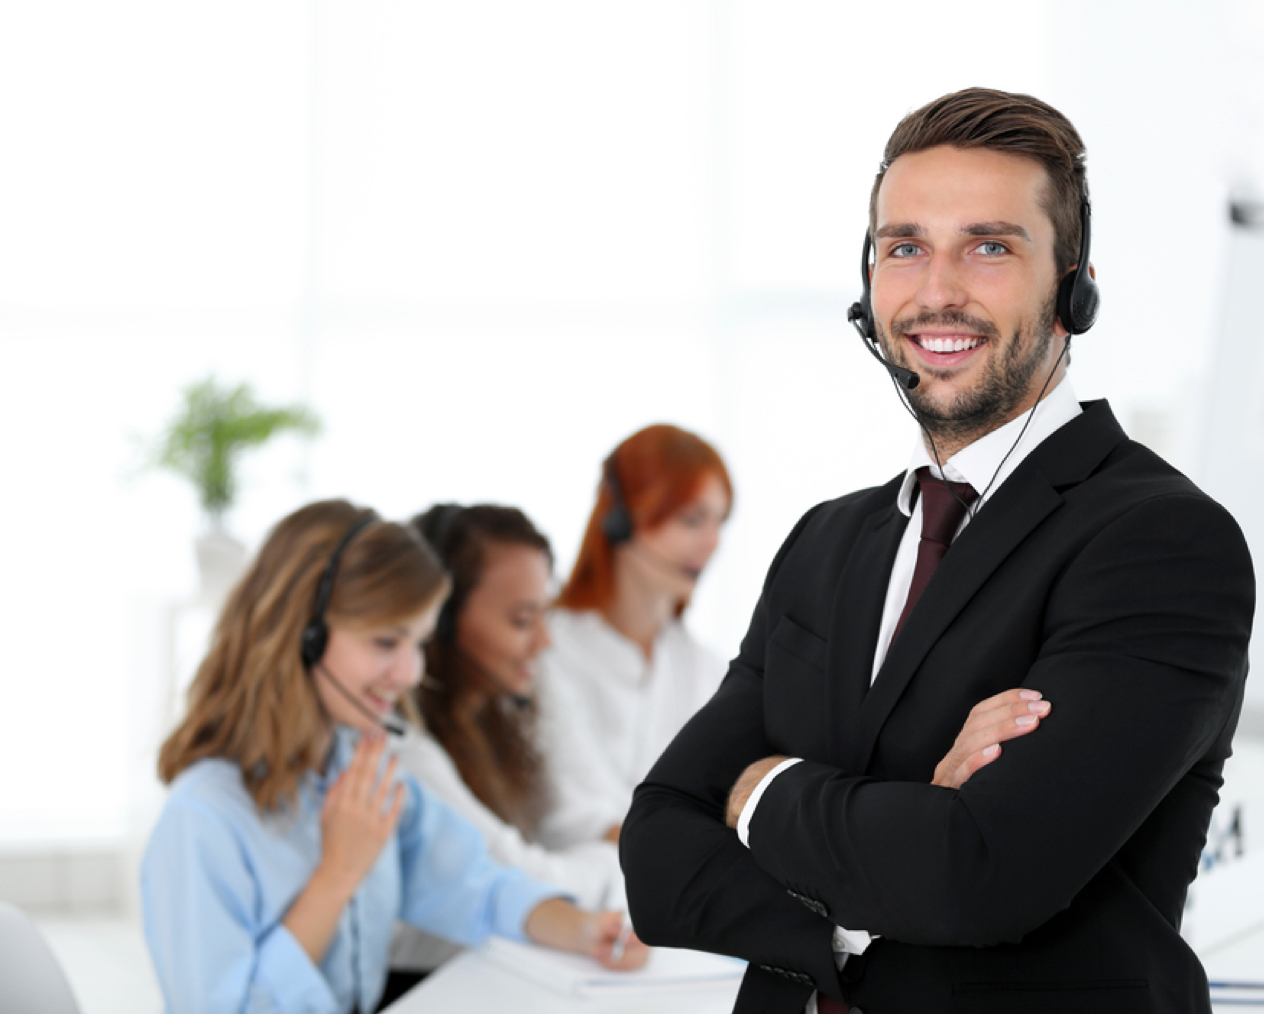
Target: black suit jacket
<point x="1055" y="878"/>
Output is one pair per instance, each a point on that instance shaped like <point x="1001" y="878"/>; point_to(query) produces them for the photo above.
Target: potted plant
<point x="204" y="442"/>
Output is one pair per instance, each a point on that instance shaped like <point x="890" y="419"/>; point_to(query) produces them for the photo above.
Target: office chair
<point x="31" y="980"/>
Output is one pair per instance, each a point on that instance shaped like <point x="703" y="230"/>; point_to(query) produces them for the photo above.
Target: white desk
<point x="472" y="983"/>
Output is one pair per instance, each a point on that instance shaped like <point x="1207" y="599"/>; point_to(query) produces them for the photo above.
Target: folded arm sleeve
<point x="691" y="882"/>
<point x="1144" y="660"/>
<point x="199" y="899"/>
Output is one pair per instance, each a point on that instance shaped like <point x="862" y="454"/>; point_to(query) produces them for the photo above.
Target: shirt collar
<point x="341" y="749"/>
<point x="988" y="462"/>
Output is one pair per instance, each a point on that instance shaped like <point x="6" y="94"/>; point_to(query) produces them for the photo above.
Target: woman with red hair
<point x="623" y="674"/>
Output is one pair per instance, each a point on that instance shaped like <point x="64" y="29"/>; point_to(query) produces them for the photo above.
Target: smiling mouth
<point x="947" y="343"/>
<point x="381" y="703"/>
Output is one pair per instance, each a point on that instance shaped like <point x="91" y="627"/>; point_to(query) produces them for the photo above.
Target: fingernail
<point x="991" y="751"/>
<point x="1039" y="707"/>
<point x="1029" y="695"/>
<point x="1025" y="720"/>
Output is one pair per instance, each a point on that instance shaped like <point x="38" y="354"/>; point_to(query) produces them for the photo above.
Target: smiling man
<point x="966" y="757"/>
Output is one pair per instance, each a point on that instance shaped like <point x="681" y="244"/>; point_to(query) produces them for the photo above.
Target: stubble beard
<point x="1005" y="384"/>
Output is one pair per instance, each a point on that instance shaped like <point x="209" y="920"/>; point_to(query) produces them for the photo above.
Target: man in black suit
<point x="987" y="789"/>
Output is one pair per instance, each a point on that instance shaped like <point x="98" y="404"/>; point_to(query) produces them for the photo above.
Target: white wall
<point x="487" y="240"/>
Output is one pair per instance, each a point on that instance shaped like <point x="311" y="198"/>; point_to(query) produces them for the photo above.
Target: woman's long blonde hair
<point x="252" y="701"/>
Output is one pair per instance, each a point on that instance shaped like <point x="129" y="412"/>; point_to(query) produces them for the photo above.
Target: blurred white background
<point x="485" y="241"/>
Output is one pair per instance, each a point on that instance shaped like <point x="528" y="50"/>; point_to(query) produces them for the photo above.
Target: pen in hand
<point x="621" y="941"/>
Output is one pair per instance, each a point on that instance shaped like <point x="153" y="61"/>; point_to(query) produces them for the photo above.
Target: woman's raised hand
<point x="360" y="814"/>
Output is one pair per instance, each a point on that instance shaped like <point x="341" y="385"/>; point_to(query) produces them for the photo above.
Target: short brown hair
<point x="1011" y="124"/>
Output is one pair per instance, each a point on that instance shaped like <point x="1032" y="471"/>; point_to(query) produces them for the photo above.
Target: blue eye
<point x="904" y="250"/>
<point x="991" y="248"/>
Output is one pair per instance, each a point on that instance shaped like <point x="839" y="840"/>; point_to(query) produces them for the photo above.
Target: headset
<point x="445" y="516"/>
<point x="315" y="636"/>
<point x="617" y="524"/>
<point x="1079" y="299"/>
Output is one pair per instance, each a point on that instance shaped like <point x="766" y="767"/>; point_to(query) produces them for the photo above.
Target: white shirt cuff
<point x="748" y="811"/>
<point x="851" y="941"/>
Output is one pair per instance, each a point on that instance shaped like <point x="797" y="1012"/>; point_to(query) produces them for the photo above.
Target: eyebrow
<point x="911" y="230"/>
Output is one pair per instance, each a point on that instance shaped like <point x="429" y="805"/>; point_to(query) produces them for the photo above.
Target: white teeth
<point x="948" y="344"/>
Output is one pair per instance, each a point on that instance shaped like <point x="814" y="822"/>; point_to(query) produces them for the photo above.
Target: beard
<point x="1006" y="381"/>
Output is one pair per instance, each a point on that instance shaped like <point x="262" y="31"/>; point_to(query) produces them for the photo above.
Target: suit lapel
<point x="1017" y="509"/>
<point x="857" y="612"/>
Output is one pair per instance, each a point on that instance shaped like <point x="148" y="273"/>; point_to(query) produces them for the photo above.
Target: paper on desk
<point x="668" y="970"/>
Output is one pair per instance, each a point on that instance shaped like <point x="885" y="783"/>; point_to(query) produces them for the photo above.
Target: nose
<point x="408" y="668"/>
<point x="542" y="637"/>
<point x="713" y="539"/>
<point x="943" y="284"/>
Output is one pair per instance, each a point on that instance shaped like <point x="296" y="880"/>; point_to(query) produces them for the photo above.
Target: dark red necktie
<point x="944" y="504"/>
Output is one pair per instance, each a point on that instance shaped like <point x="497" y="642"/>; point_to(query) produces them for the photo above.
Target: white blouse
<point x="607" y="712"/>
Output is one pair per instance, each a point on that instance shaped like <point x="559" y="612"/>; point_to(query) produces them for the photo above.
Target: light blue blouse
<point x="217" y="878"/>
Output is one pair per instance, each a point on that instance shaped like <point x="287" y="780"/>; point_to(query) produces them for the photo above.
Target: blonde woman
<point x="289" y="844"/>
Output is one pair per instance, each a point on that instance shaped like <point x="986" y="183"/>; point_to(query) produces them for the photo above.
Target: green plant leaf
<point x="205" y="439"/>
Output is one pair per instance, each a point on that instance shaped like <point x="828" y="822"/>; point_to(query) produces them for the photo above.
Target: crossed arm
<point x="1142" y="642"/>
<point x="1003" y="717"/>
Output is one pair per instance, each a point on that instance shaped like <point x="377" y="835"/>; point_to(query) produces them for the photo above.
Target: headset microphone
<point x="315" y="636"/>
<point x="906" y="378"/>
<point x="1078" y="299"/>
<point x="860" y="314"/>
<point x="497" y="685"/>
<point x="619" y="530"/>
<point x="392" y="725"/>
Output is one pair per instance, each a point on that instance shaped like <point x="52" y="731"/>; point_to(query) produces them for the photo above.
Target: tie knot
<point x="944" y="504"/>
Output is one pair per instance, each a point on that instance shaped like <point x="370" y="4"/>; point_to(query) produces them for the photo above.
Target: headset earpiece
<point x="445" y="623"/>
<point x="315" y="637"/>
<point x="445" y="519"/>
<point x="617" y="524"/>
<point x="1078" y="294"/>
<point x="860" y="313"/>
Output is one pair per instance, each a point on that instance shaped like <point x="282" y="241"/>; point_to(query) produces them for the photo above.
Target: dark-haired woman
<point x="478" y="751"/>
<point x="288" y="845"/>
<point x="623" y="673"/>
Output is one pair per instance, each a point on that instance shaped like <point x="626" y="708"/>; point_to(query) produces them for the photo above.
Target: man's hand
<point x="990" y="723"/>
<point x="745" y="785"/>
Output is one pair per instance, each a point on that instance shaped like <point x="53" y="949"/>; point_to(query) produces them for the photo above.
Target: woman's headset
<point x="315" y="636"/>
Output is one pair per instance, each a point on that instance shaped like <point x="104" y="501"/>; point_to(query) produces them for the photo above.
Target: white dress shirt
<point x="985" y="465"/>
